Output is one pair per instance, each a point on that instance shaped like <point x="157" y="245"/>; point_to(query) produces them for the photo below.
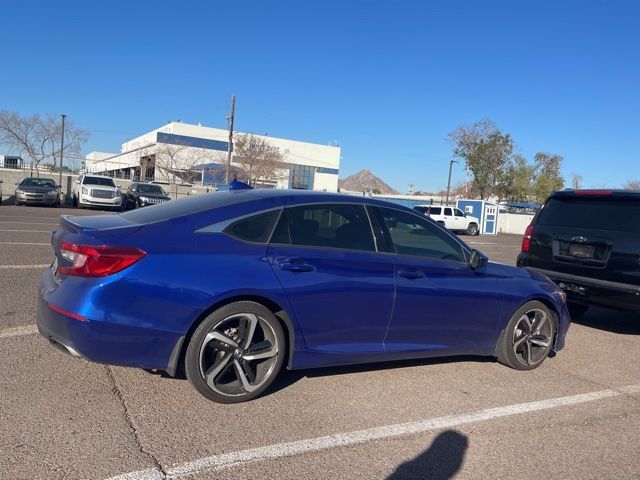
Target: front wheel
<point x="528" y="338"/>
<point x="236" y="353"/>
<point x="472" y="229"/>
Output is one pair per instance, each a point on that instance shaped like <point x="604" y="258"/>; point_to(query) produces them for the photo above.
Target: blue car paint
<point x="139" y="317"/>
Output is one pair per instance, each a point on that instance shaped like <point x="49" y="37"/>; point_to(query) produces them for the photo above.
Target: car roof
<point x="292" y="196"/>
<point x="597" y="192"/>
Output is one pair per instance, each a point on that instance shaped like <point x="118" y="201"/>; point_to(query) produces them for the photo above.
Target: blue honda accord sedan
<point x="230" y="286"/>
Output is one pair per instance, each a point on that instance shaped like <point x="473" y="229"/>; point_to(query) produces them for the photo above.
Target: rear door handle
<point x="296" y="266"/>
<point x="411" y="274"/>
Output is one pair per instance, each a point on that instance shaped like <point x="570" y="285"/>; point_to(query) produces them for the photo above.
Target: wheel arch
<point x="175" y="366"/>
<point x="547" y="303"/>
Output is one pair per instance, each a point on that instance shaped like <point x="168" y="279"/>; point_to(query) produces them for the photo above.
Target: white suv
<point x="96" y="191"/>
<point x="450" y="217"/>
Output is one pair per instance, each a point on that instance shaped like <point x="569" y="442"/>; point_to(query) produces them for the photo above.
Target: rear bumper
<point x="99" y="340"/>
<point x="591" y="291"/>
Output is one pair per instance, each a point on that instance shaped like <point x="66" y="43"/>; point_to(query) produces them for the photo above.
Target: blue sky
<point x="387" y="80"/>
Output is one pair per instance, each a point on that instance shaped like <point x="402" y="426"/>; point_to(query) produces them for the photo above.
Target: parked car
<point x="37" y="191"/>
<point x="233" y="285"/>
<point x="452" y="218"/>
<point x="142" y="194"/>
<point x="588" y="242"/>
<point x="96" y="191"/>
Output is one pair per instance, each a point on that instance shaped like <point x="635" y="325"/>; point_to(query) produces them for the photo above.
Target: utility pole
<point x="230" y="146"/>
<point x="61" y="150"/>
<point x="451" y="162"/>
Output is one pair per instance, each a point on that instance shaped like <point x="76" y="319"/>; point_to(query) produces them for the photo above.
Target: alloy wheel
<point x="532" y="337"/>
<point x="239" y="354"/>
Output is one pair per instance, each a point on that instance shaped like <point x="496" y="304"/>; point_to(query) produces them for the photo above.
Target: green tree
<point x="517" y="181"/>
<point x="486" y="151"/>
<point x="548" y="177"/>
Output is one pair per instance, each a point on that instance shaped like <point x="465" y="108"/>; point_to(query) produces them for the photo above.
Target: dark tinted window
<point x="420" y="209"/>
<point x="186" y="206"/>
<point x="447" y="211"/>
<point x="256" y="228"/>
<point x="337" y="226"/>
<point x="415" y="236"/>
<point x="596" y="213"/>
<point x="458" y="213"/>
<point x="37" y="182"/>
<point x="435" y="211"/>
<point x="105" y="182"/>
<point x="144" y="188"/>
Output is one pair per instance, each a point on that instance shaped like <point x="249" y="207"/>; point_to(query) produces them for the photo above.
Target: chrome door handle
<point x="296" y="267"/>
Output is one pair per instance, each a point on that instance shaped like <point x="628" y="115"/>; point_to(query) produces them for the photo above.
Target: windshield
<point x="143" y="188"/>
<point x="105" y="182"/>
<point x="37" y="182"/>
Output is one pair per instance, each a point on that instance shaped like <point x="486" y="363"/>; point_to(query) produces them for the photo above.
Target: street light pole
<point x="61" y="150"/>
<point x="451" y="162"/>
<point x="230" y="146"/>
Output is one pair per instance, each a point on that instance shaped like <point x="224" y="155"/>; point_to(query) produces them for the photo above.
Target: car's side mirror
<point x="477" y="259"/>
<point x="76" y="182"/>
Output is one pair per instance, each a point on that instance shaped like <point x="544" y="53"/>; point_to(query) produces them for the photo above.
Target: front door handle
<point x="411" y="274"/>
<point x="296" y="267"/>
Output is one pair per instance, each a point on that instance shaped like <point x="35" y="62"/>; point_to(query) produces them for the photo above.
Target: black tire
<point x="220" y="346"/>
<point x="576" y="310"/>
<point x="525" y="350"/>
<point x="472" y="229"/>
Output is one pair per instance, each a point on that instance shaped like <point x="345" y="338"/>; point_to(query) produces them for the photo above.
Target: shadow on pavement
<point x="440" y="461"/>
<point x="614" y="321"/>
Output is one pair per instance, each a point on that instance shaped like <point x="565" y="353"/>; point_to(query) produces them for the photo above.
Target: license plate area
<point x="581" y="251"/>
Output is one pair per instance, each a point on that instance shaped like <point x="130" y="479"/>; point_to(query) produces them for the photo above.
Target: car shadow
<point x="614" y="321"/>
<point x="441" y="461"/>
<point x="289" y="377"/>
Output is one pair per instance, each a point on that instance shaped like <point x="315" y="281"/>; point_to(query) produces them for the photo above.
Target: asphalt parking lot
<point x="577" y="416"/>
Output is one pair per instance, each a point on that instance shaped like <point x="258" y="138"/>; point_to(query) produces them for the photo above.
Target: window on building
<point x="336" y="226"/>
<point x="301" y="177"/>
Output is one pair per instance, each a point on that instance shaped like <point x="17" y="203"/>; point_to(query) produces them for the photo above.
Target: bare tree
<point x="576" y="180"/>
<point x="176" y="162"/>
<point x="38" y="138"/>
<point x="257" y="160"/>
<point x="632" y="185"/>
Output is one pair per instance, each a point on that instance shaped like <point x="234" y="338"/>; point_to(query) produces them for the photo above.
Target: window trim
<point x="219" y="227"/>
<point x="463" y="247"/>
<point x="319" y="204"/>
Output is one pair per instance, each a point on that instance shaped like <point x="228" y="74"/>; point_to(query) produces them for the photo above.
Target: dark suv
<point x="588" y="242"/>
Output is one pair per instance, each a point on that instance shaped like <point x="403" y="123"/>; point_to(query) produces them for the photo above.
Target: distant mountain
<point x="365" y="181"/>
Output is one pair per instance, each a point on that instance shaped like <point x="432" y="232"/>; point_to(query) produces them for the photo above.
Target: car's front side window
<point x="325" y="225"/>
<point x="412" y="235"/>
<point x="458" y="213"/>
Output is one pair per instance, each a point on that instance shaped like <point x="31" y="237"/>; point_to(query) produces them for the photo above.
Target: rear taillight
<point x="526" y="240"/>
<point x="90" y="261"/>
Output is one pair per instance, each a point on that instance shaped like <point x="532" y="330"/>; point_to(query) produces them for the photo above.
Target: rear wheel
<point x="528" y="338"/>
<point x="472" y="229"/>
<point x="235" y="354"/>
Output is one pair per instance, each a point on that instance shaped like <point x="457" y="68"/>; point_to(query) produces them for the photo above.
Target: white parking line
<point x="270" y="452"/>
<point x="24" y="243"/>
<point x="32" y="223"/>
<point x="28" y="231"/>
<point x="23" y="267"/>
<point x="18" y="331"/>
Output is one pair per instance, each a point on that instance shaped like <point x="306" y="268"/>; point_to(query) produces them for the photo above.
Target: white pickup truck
<point x="451" y="217"/>
<point x="96" y="191"/>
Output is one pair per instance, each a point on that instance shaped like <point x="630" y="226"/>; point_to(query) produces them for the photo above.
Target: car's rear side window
<point x="435" y="210"/>
<point x="255" y="228"/>
<point x="593" y="213"/>
<point x="420" y="209"/>
<point x="325" y="225"/>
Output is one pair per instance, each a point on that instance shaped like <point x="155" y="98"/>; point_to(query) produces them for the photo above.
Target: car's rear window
<point x="593" y="213"/>
<point x="186" y="206"/>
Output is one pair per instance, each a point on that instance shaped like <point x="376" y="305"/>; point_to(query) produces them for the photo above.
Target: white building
<point x="167" y="153"/>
